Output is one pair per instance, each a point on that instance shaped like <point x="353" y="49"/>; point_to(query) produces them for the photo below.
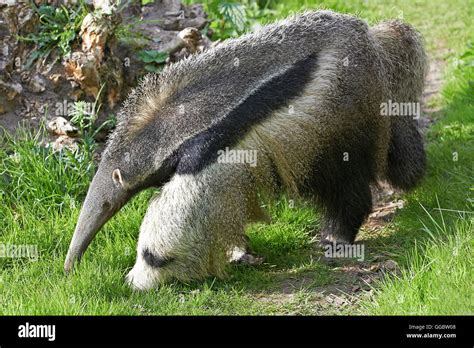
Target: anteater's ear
<point x="117" y="178"/>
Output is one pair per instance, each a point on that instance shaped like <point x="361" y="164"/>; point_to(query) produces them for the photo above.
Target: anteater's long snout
<point x="103" y="200"/>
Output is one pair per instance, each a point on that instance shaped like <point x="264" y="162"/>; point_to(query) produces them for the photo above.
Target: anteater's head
<point x="139" y="154"/>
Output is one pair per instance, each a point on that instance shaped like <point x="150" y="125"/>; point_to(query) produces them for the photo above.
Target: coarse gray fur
<point x="328" y="144"/>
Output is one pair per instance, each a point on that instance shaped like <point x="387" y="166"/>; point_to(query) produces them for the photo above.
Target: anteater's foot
<point x="251" y="259"/>
<point x="330" y="239"/>
<point x="245" y="256"/>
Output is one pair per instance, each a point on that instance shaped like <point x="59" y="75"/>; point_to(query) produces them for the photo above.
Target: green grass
<point x="438" y="277"/>
<point x="41" y="193"/>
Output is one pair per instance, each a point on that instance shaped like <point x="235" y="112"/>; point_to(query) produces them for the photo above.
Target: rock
<point x="355" y="288"/>
<point x="8" y="93"/>
<point x="105" y="6"/>
<point x="336" y="300"/>
<point x="65" y="142"/>
<point x="198" y="23"/>
<point x="191" y="38"/>
<point x="171" y="24"/>
<point x="391" y="266"/>
<point x="132" y="8"/>
<point x="94" y="32"/>
<point x="82" y="68"/>
<point x="171" y="15"/>
<point x="16" y="20"/>
<point x="36" y="84"/>
<point x="386" y="266"/>
<point x="178" y="23"/>
<point x="188" y="41"/>
<point x="10" y="89"/>
<point x="19" y="17"/>
<point x="89" y="67"/>
<point x="194" y="11"/>
<point x="55" y="78"/>
<point x="61" y="126"/>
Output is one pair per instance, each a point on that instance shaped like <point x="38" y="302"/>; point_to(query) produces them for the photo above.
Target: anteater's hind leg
<point x="340" y="184"/>
<point x="345" y="209"/>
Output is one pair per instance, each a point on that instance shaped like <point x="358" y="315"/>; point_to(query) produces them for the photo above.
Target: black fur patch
<point x="342" y="188"/>
<point x="406" y="156"/>
<point x="200" y="151"/>
<point x="155" y="261"/>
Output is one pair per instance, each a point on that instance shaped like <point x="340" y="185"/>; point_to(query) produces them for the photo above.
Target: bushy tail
<point x="401" y="51"/>
<point x="406" y="156"/>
